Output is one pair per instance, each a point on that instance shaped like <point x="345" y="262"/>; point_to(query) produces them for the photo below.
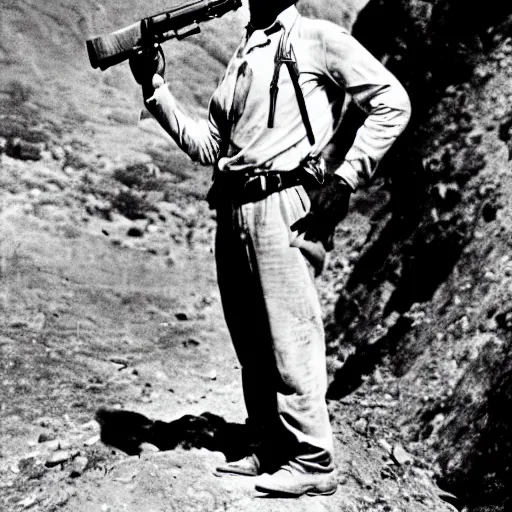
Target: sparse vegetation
<point x="132" y="204"/>
<point x="142" y="176"/>
<point x="19" y="92"/>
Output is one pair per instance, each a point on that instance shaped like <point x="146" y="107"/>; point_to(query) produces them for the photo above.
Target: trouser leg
<point x="291" y="377"/>
<point x="296" y="326"/>
<point x="247" y="321"/>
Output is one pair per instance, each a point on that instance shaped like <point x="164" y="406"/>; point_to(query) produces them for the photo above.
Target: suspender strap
<point x="288" y="58"/>
<point x="294" y="74"/>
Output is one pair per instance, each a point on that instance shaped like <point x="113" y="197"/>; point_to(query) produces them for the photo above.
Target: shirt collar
<point x="287" y="17"/>
<point x="285" y="20"/>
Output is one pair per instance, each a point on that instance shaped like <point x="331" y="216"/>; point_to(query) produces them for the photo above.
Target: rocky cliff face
<point x="429" y="296"/>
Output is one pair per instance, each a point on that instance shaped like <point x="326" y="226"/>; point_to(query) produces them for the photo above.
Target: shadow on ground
<point x="127" y="430"/>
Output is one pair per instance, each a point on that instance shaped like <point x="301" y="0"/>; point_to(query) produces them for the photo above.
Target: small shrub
<point x="18" y="148"/>
<point x="20" y="92"/>
<point x="77" y="159"/>
<point x="143" y="176"/>
<point x="71" y="231"/>
<point x="37" y="135"/>
<point x="12" y="127"/>
<point x="132" y="204"/>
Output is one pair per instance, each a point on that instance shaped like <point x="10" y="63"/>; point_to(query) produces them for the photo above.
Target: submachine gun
<point x="178" y="23"/>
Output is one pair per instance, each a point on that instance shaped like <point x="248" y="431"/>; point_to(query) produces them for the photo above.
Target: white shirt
<point x="331" y="63"/>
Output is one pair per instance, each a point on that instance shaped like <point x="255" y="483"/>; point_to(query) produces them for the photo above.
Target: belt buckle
<point x="260" y="178"/>
<point x="250" y="181"/>
<point x="275" y="181"/>
<point x="256" y="184"/>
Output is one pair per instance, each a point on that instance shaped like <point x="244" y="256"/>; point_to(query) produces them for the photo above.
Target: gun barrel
<point x="188" y="14"/>
<point x="114" y="48"/>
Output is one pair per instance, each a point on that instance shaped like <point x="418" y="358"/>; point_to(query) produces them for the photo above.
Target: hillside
<point x="110" y="321"/>
<point x="43" y="51"/>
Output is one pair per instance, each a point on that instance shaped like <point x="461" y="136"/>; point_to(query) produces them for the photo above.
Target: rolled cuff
<point x="348" y="172"/>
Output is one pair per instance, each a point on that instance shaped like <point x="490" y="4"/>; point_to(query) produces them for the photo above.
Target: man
<point x="272" y="115"/>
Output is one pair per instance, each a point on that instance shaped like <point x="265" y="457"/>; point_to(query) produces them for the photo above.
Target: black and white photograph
<point x="255" y="256"/>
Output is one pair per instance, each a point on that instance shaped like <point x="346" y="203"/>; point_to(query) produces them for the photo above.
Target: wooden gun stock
<point x="114" y="48"/>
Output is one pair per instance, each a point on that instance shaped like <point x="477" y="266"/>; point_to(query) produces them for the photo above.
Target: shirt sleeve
<point x="200" y="139"/>
<point x="376" y="91"/>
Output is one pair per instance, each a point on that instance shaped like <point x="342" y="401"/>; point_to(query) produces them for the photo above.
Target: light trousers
<point x="273" y="313"/>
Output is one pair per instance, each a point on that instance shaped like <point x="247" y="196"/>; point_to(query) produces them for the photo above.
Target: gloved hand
<point x="329" y="207"/>
<point x="147" y="62"/>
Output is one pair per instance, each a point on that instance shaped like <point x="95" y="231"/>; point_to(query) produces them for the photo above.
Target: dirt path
<point x="90" y="325"/>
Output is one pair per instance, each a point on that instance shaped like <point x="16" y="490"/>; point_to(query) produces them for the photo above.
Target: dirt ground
<point x="103" y="328"/>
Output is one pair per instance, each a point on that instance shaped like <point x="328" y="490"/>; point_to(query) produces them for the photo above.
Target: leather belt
<point x="246" y="187"/>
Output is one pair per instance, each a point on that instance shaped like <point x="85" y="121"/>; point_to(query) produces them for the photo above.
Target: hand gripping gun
<point x="178" y="23"/>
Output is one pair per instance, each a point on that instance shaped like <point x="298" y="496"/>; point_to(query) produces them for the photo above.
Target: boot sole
<point x="329" y="492"/>
<point x="235" y="472"/>
<point x="308" y="492"/>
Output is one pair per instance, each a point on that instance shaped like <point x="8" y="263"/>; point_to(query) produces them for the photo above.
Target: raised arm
<point x="200" y="139"/>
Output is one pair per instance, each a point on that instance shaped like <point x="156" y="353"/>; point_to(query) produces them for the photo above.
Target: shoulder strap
<point x="287" y="57"/>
